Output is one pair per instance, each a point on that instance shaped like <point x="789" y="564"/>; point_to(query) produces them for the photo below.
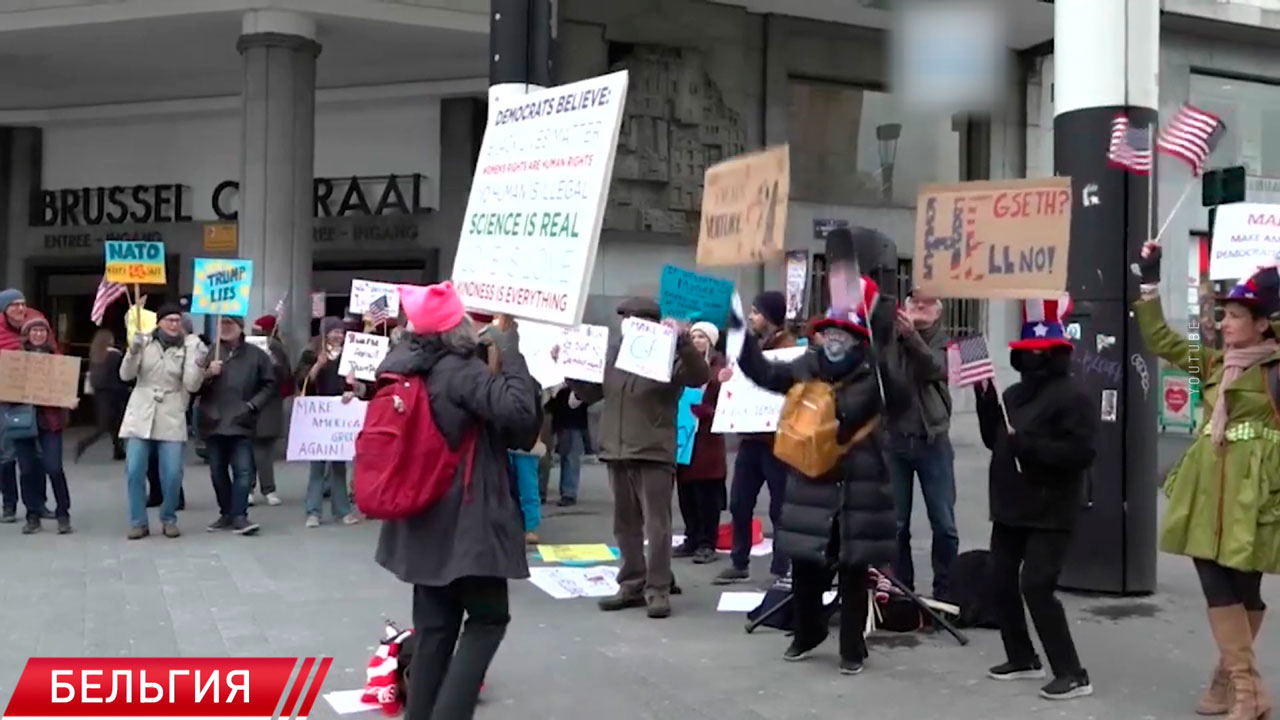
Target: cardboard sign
<point x="28" y="378"/>
<point x="744" y="208"/>
<point x="796" y="279"/>
<point x="744" y="407"/>
<point x="686" y="424"/>
<point x="134" y="263"/>
<point x="365" y="292"/>
<point x="324" y="428"/>
<point x="317" y="305"/>
<point x="363" y="353"/>
<point x="537" y="200"/>
<point x="685" y="295"/>
<point x="1246" y="236"/>
<point x="139" y="321"/>
<point x="1005" y="239"/>
<point x="221" y="287"/>
<point x="583" y="352"/>
<point x="648" y="349"/>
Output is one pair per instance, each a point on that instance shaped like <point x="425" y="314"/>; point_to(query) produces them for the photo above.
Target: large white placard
<point x="1246" y="236"/>
<point x="363" y="353"/>
<point x="537" y="200"/>
<point x="324" y="428"/>
<point x="744" y="407"/>
<point x="536" y="341"/>
<point x="583" y="352"/>
<point x="364" y="292"/>
<point x="648" y="349"/>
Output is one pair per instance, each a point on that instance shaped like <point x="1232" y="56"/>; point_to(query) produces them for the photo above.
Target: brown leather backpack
<point x="808" y="429"/>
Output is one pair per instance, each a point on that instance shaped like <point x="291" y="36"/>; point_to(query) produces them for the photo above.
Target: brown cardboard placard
<point x="744" y="208"/>
<point x="993" y="239"/>
<point x="39" y="379"/>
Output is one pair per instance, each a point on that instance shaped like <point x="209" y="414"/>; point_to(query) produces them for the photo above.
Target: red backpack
<point x="403" y="465"/>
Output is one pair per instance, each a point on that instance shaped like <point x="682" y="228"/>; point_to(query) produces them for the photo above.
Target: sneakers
<point x="683" y="550"/>
<point x="704" y="556"/>
<point x="64" y="526"/>
<point x="242" y="526"/>
<point x="351" y="519"/>
<point x="313" y="521"/>
<point x="273" y="499"/>
<point x="171" y="531"/>
<point x="531" y="538"/>
<point x="1068" y="687"/>
<point x="659" y="606"/>
<point x="1012" y="671"/>
<point x="797" y="652"/>
<point x="252" y="502"/>
<point x="32" y="527"/>
<point x="222" y="523"/>
<point x="137" y="533"/>
<point x="567" y="501"/>
<point x="9" y="517"/>
<point x="850" y="667"/>
<point x="621" y="602"/>
<point x="728" y="576"/>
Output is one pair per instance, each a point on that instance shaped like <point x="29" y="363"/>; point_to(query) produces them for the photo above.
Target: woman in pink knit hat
<point x="460" y="552"/>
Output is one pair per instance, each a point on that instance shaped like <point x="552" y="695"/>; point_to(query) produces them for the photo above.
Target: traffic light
<point x="1222" y="187"/>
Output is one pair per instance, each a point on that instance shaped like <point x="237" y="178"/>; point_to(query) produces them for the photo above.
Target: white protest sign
<point x="648" y="349"/>
<point x="1246" y="236"/>
<point x="537" y="200"/>
<point x="324" y="428"/>
<point x="262" y="342"/>
<point x="583" y="352"/>
<point x="536" y="341"/>
<point x="365" y="292"/>
<point x="744" y="407"/>
<point x="362" y="353"/>
<point x="317" y="305"/>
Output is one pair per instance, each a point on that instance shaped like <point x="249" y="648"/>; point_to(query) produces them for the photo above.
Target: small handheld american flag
<point x="1191" y="136"/>
<point x="108" y="293"/>
<point x="1130" y="146"/>
<point x="379" y="311"/>
<point x="968" y="361"/>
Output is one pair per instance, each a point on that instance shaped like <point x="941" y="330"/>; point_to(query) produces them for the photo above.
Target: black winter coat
<point x="271" y="416"/>
<point x="231" y="402"/>
<point x="855" y="498"/>
<point x="480" y="534"/>
<point x="1054" y="427"/>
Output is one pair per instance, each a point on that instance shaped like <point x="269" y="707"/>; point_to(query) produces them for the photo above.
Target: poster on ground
<point x="993" y="239"/>
<point x="324" y="428"/>
<point x="1246" y="236"/>
<point x="131" y="262"/>
<point x="221" y="286"/>
<point x="744" y="407"/>
<point x="537" y="200"/>
<point x="28" y="378"/>
<point x="744" y="208"/>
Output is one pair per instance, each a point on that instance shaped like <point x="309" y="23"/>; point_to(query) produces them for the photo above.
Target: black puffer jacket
<point x="856" y="496"/>
<point x="1054" y="427"/>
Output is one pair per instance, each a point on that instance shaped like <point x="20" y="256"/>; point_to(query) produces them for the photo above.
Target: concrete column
<point x="1106" y="55"/>
<point x="277" y="169"/>
<point x="21" y="166"/>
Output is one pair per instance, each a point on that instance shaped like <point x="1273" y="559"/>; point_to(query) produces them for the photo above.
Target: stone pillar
<point x="21" y="165"/>
<point x="277" y="152"/>
<point x="1106" y="54"/>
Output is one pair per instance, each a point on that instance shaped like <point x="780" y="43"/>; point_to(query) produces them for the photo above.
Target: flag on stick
<point x="1130" y="146"/>
<point x="379" y="311"/>
<point x="1191" y="136"/>
<point x="969" y="362"/>
<point x="108" y="292"/>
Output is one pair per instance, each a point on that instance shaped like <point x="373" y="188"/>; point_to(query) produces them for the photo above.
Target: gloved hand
<point x="1148" y="265"/>
<point x="139" y="339"/>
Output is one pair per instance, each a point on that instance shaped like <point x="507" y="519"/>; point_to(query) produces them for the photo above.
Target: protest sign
<point x="583" y="351"/>
<point x="132" y="262"/>
<point x="563" y="583"/>
<point x="993" y="239"/>
<point x="365" y="292"/>
<point x="221" y="287"/>
<point x="744" y="208"/>
<point x="796" y="278"/>
<point x="262" y="342"/>
<point x="744" y="407"/>
<point x="28" y="378"/>
<point x="139" y="320"/>
<point x="317" y="305"/>
<point x="537" y="200"/>
<point x="686" y="424"/>
<point x="536" y="342"/>
<point x="1246" y="236"/>
<point x="324" y="428"/>
<point x="648" y="349"/>
<point x="685" y="295"/>
<point x="362" y="353"/>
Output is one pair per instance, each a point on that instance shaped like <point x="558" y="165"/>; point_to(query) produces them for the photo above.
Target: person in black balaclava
<point x="1039" y="457"/>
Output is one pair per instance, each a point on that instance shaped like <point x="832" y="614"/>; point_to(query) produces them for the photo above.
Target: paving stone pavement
<point x="298" y="591"/>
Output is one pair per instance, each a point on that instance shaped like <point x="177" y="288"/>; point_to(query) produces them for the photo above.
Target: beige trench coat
<point x="157" y="408"/>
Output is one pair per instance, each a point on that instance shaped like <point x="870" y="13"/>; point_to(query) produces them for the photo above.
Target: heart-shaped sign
<point x="1176" y="398"/>
<point x="728" y="394"/>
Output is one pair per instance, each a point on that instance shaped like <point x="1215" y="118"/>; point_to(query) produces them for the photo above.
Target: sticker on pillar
<point x="1110" y="399"/>
<point x="221" y="286"/>
<point x="1073" y="331"/>
<point x="1089" y="196"/>
<point x="1104" y="342"/>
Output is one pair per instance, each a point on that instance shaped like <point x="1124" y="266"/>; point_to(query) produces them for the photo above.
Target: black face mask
<point x="1029" y="362"/>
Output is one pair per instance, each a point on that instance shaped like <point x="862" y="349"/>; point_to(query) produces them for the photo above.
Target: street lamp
<point x="887" y="136"/>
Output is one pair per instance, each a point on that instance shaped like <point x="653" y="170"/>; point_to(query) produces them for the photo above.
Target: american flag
<point x="1130" y="146"/>
<point x="108" y="292"/>
<point x="1191" y="136"/>
<point x="968" y="361"/>
<point x="379" y="311"/>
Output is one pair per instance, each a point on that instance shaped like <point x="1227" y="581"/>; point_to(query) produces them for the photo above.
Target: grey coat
<point x="271" y="416"/>
<point x="165" y="379"/>
<point x="918" y="370"/>
<point x="479" y="533"/>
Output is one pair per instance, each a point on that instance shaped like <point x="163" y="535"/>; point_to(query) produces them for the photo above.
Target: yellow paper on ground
<point x="576" y="553"/>
<point x="133" y="327"/>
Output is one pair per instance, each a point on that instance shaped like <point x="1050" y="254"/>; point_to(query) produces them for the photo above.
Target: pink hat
<point x="431" y="309"/>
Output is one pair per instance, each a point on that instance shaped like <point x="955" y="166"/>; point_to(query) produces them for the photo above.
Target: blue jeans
<point x="934" y="463"/>
<point x="137" y="456"/>
<point x="232" y="471"/>
<point x="41" y="457"/>
<point x="334" y="476"/>
<point x="32" y="480"/>
<point x="524" y="468"/>
<point x="570" y="443"/>
<point x="754" y="468"/>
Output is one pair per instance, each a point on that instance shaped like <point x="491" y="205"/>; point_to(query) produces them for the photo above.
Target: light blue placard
<point x="220" y="286"/>
<point x="686" y="424"/>
<point x="685" y="295"/>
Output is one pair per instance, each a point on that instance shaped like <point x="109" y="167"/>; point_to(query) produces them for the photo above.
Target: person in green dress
<point x="1223" y="508"/>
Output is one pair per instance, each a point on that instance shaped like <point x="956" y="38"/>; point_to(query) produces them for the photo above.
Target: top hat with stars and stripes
<point x="1042" y="324"/>
<point x="856" y="320"/>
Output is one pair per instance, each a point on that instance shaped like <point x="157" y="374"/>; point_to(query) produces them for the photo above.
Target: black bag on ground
<point x="971" y="590"/>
